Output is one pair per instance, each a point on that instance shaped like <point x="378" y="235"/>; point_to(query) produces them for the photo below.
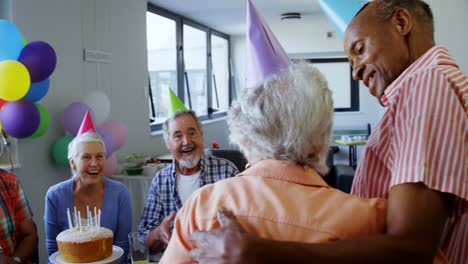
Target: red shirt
<point x="14" y="209"/>
<point x="423" y="137"/>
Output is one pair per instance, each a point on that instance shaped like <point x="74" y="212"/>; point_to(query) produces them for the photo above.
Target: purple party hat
<point x="265" y="56"/>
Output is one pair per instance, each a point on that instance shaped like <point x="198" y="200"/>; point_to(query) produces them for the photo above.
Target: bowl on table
<point x="132" y="168"/>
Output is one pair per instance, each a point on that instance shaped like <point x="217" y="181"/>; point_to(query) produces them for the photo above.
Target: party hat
<point x="341" y="12"/>
<point x="87" y="125"/>
<point x="174" y="103"/>
<point x="265" y="56"/>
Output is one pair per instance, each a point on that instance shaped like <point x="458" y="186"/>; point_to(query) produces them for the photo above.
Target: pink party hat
<point x="87" y="125"/>
<point x="342" y="12"/>
<point x="265" y="56"/>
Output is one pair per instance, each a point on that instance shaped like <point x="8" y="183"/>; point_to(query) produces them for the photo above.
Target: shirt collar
<point x="436" y="55"/>
<point x="285" y="171"/>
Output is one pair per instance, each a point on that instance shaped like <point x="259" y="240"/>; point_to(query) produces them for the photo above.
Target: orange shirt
<point x="277" y="200"/>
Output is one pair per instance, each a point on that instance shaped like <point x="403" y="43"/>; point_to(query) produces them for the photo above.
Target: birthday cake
<point x="85" y="244"/>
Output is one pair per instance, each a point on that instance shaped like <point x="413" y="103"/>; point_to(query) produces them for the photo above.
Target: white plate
<point x="116" y="253"/>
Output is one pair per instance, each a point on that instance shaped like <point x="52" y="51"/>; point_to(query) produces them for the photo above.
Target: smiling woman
<point x="88" y="188"/>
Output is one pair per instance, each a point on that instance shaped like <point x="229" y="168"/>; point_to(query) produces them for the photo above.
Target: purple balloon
<point x="20" y="119"/>
<point x="108" y="139"/>
<point x="73" y="116"/>
<point x="40" y="60"/>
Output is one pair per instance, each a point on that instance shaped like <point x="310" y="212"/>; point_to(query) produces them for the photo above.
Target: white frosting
<point x="85" y="234"/>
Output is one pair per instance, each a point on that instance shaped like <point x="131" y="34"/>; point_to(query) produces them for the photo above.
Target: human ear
<point x="72" y="164"/>
<point x="403" y="21"/>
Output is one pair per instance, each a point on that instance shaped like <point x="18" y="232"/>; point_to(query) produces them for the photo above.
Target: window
<point x="195" y="50"/>
<point x="345" y="89"/>
<point x="191" y="59"/>
<point x="220" y="74"/>
<point x="162" y="63"/>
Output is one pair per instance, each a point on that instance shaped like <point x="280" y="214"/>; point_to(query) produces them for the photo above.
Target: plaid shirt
<point x="14" y="209"/>
<point x="163" y="197"/>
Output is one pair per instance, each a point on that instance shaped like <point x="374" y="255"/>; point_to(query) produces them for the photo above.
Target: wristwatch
<point x="17" y="259"/>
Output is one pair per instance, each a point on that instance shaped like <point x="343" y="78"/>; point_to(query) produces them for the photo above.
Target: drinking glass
<point x="138" y="249"/>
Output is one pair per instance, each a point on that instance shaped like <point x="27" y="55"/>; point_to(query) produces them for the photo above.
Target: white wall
<point x="118" y="26"/>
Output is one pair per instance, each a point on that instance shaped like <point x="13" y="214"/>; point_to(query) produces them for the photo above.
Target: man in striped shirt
<point x="417" y="157"/>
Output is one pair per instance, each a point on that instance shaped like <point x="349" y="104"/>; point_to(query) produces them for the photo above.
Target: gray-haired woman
<point x="88" y="187"/>
<point x="283" y="127"/>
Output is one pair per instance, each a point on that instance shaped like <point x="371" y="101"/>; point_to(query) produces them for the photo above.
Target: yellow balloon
<point x="14" y="80"/>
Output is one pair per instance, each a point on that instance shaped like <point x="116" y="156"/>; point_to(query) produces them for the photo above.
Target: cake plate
<point x="117" y="252"/>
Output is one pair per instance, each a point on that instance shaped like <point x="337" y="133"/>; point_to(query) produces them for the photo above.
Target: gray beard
<point x="190" y="162"/>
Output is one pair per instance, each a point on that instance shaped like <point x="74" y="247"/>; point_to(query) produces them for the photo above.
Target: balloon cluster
<point x="113" y="132"/>
<point x="25" y="69"/>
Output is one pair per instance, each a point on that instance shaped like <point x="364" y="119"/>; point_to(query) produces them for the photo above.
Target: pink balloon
<point x="118" y="130"/>
<point x="111" y="166"/>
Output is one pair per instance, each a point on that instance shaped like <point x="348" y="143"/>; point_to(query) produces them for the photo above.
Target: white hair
<point x="288" y="117"/>
<point x="83" y="138"/>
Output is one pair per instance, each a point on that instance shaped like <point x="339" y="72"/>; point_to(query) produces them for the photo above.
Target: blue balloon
<point x="37" y="90"/>
<point x="10" y="41"/>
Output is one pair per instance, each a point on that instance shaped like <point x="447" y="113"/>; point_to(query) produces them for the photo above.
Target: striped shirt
<point x="423" y="137"/>
<point x="14" y="209"/>
<point x="163" y="197"/>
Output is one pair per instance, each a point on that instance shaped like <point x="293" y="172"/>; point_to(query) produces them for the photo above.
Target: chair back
<point x="233" y="155"/>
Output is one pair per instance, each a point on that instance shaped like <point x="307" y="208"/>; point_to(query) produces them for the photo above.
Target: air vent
<point x="290" y="16"/>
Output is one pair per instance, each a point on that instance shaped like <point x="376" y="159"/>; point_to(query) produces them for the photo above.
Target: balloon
<point x="99" y="104"/>
<point x="40" y="60"/>
<point x="73" y="116"/>
<point x="37" y="90"/>
<point x="108" y="139"/>
<point x="24" y="41"/>
<point x="10" y="41"/>
<point x="119" y="131"/>
<point x="60" y="151"/>
<point x="111" y="166"/>
<point x="14" y="80"/>
<point x="44" y="123"/>
<point x="20" y="119"/>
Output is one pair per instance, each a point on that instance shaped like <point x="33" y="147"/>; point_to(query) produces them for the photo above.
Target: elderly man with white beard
<point x="191" y="169"/>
